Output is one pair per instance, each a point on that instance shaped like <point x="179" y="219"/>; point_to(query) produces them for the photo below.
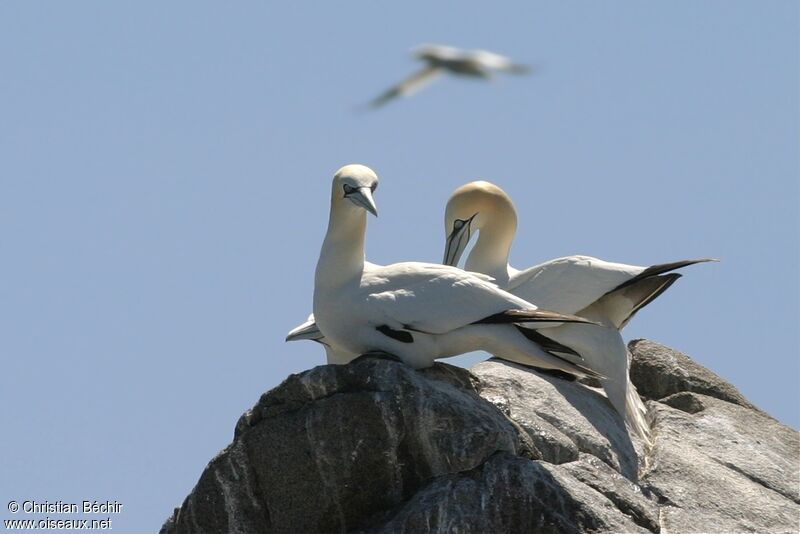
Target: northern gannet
<point x="607" y="293"/>
<point x="418" y="312"/>
<point x="441" y="59"/>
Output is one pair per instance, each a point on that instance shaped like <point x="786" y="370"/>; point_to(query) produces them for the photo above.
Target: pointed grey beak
<point x="456" y="242"/>
<point x="307" y="330"/>
<point x="363" y="197"/>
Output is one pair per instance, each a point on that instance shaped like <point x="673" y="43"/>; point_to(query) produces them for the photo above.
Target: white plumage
<point x="440" y="59"/>
<point x="607" y="293"/>
<point x="416" y="311"/>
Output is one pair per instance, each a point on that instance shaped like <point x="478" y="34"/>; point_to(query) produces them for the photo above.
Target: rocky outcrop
<point x="375" y="446"/>
<point x="660" y="372"/>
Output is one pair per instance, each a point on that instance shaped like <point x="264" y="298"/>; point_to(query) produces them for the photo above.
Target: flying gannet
<point x="442" y="59"/>
<point x="607" y="293"/>
<point x="418" y="312"/>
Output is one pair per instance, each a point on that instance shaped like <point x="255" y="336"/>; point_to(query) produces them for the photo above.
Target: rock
<point x="508" y="494"/>
<point x="726" y="468"/>
<point x="686" y="401"/>
<point x="658" y="372"/>
<point x="377" y="447"/>
<point x="561" y="417"/>
<point x="330" y="447"/>
<point x="626" y="495"/>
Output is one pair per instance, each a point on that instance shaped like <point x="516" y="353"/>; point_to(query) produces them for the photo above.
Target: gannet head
<point x="471" y="207"/>
<point x="356" y="183"/>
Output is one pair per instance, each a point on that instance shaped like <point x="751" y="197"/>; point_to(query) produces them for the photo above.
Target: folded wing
<point x="437" y="299"/>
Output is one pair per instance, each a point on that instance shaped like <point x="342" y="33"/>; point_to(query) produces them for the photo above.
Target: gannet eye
<point x="348" y="189"/>
<point x="373" y="187"/>
<point x="458" y="224"/>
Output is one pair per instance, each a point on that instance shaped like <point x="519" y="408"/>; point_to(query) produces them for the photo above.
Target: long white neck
<point x="490" y="253"/>
<point x="342" y="257"/>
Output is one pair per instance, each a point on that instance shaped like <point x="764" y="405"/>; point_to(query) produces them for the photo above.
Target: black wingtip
<point x="549" y="345"/>
<point x="532" y="316"/>
<point x="661" y="268"/>
<point x="553" y="348"/>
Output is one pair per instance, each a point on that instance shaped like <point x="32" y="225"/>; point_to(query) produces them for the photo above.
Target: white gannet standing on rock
<point x="441" y="59"/>
<point x="607" y="293"/>
<point x="416" y="311"/>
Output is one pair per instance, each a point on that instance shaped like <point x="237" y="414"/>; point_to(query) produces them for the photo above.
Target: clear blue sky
<point x="164" y="182"/>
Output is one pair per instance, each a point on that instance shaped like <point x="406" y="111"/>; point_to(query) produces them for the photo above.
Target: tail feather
<point x="626" y="401"/>
<point x="620" y="305"/>
<point x="636" y="415"/>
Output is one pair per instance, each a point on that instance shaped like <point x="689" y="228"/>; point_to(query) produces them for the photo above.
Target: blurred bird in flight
<point x="442" y="59"/>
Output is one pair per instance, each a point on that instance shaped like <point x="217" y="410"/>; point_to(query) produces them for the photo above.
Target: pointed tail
<point x="636" y="415"/>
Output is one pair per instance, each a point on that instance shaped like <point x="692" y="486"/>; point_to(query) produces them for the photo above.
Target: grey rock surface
<point x="732" y="466"/>
<point x="509" y="494"/>
<point x="625" y="494"/>
<point x="329" y="448"/>
<point x="660" y="371"/>
<point x="375" y="446"/>
<point x="569" y="417"/>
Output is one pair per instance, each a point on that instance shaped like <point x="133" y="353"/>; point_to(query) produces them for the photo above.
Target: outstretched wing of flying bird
<point x="410" y="85"/>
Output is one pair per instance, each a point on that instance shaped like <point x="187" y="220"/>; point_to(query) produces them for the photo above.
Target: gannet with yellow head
<point x="607" y="293"/>
<point x="416" y="311"/>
